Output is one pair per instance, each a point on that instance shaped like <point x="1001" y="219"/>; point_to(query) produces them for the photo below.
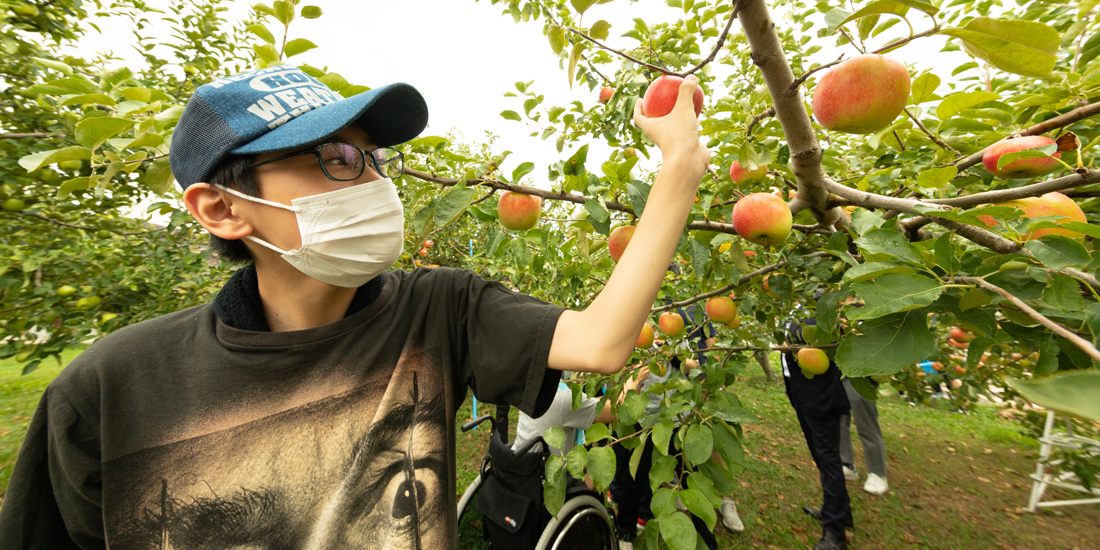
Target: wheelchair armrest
<point x="527" y="446"/>
<point x="475" y="422"/>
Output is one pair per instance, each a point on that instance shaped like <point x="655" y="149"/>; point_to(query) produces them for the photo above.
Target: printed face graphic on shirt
<point x="366" y="469"/>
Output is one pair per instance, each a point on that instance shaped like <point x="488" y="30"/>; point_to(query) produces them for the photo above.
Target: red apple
<point x="605" y="93"/>
<point x="423" y="252"/>
<point x="862" y="95"/>
<point x="750" y="254"/>
<point x="960" y="345"/>
<point x="1050" y="204"/>
<point x="739" y="174"/>
<point x="519" y="211"/>
<point x="671" y="324"/>
<point x="1023" y="168"/>
<point x="645" y="339"/>
<point x="428" y="243"/>
<point x="960" y="371"/>
<point x="937" y="366"/>
<point x="960" y="335"/>
<point x="721" y="309"/>
<point x="762" y="218"/>
<point x="618" y="241"/>
<point x="813" y="361"/>
<point x="661" y="95"/>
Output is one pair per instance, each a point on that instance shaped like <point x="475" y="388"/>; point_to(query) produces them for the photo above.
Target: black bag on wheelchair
<point x="511" y="496"/>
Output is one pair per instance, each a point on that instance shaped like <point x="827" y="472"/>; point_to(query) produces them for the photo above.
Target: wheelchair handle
<point x="527" y="446"/>
<point x="477" y="421"/>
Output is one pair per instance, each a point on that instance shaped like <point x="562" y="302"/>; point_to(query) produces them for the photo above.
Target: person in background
<point x="820" y="403"/>
<point x="865" y="413"/>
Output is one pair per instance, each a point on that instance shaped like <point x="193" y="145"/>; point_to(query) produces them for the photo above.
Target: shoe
<point x="850" y="474"/>
<point x="730" y="519"/>
<point x="623" y="545"/>
<point x="830" y="542"/>
<point x="641" y="525"/>
<point x="876" y="485"/>
<point x="812" y="512"/>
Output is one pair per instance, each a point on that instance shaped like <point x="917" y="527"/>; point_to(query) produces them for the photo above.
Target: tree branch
<point x="30" y="135"/>
<point x="1085" y="345"/>
<point x="769" y="112"/>
<point x="496" y="184"/>
<point x="1033" y="190"/>
<point x="744" y="279"/>
<point x="734" y="8"/>
<point x="1059" y="121"/>
<point x="935" y="139"/>
<point x="896" y="44"/>
<point x="798" y="81"/>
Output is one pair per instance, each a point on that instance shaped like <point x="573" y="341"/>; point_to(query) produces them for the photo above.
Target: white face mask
<point x="348" y="236"/>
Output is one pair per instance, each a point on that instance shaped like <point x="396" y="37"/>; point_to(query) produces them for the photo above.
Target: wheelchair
<point x="507" y="494"/>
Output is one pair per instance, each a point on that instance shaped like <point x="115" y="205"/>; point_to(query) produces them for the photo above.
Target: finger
<point x="639" y="118"/>
<point x="686" y="93"/>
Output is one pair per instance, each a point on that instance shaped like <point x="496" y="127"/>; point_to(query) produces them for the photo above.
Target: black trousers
<point x="632" y="495"/>
<point x="823" y="437"/>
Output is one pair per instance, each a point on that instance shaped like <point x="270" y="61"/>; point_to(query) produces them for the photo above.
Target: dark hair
<point x="232" y="172"/>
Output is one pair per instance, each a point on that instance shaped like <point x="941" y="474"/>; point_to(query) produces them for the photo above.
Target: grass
<point x="956" y="481"/>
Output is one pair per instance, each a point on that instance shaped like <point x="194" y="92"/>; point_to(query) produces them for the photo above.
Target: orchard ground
<point x="956" y="481"/>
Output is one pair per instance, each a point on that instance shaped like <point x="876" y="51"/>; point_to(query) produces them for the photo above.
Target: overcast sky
<point x="465" y="55"/>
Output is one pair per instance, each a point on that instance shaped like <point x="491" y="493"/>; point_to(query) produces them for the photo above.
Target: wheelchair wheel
<point x="470" y="533"/>
<point x="582" y="523"/>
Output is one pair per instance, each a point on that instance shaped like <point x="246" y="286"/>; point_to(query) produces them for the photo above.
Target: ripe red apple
<point x="519" y="211"/>
<point x="812" y="361"/>
<point x="937" y="366"/>
<point x="739" y="174"/>
<point x="645" y="339"/>
<point x="605" y="93"/>
<point x="721" y="309"/>
<point x="862" y="95"/>
<point x="960" y="345"/>
<point x="423" y="252"/>
<point x="661" y="95"/>
<point x="762" y="218"/>
<point x="428" y="243"/>
<point x="960" y="371"/>
<point x="618" y="241"/>
<point x="960" y="335"/>
<point x="750" y="254"/>
<point x="1023" y="168"/>
<point x="671" y="324"/>
<point x="1050" y="204"/>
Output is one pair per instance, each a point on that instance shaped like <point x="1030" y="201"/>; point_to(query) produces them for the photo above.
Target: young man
<point x="311" y="405"/>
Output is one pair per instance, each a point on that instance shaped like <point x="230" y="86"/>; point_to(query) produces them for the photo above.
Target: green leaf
<point x="297" y="46"/>
<point x="1048" y="356"/>
<point x="871" y="270"/>
<point x="864" y="388"/>
<point x="522" y="170"/>
<point x="974" y="298"/>
<point x="635" y="403"/>
<point x="574" y="57"/>
<point x="700" y="506"/>
<point x="638" y="192"/>
<point x="936" y="177"/>
<point x="637" y="454"/>
<point x="728" y="445"/>
<point x="55" y="65"/>
<point x="556" y="35"/>
<point x="64" y="86"/>
<point x="924" y="88"/>
<point x="576" y="461"/>
<point x="921" y="5"/>
<point x="553" y="486"/>
<point x="596" y="210"/>
<point x="68" y="186"/>
<point x="891" y="244"/>
<point x="886" y="346"/>
<point x="887" y="7"/>
<point x="283" y="11"/>
<point x="582" y="5"/>
<point x="700" y="257"/>
<point x="1072" y="393"/>
<point x="44" y="158"/>
<point x="554" y="436"/>
<point x="663" y="501"/>
<point x="893" y="293"/>
<point x="1027" y="48"/>
<point x="266" y="53"/>
<point x="262" y="32"/>
<point x="311" y="12"/>
<point x="945" y="254"/>
<point x="1036" y="153"/>
<point x="1080" y="227"/>
<point x="828" y="309"/>
<point x="698" y="443"/>
<point x="663" y="470"/>
<point x="1064" y="293"/>
<point x="677" y="531"/>
<point x="1059" y="252"/>
<point x="600" y="30"/>
<point x="662" y="436"/>
<point x="510" y="115"/>
<point x="952" y="104"/>
<point x="452" y="205"/>
<point x="836" y="17"/>
<point x="335" y="81"/>
<point x="596" y="432"/>
<point x="601" y="466"/>
<point x="158" y="176"/>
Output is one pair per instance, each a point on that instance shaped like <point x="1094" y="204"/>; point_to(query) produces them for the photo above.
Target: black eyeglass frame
<point x="316" y="152"/>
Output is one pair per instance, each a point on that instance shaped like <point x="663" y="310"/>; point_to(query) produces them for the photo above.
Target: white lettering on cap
<point x="290" y="78"/>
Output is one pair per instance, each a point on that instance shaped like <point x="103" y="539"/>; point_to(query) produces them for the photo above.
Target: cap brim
<point x="391" y="115"/>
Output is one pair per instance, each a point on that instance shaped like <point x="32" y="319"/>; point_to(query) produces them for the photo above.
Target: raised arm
<point x="601" y="338"/>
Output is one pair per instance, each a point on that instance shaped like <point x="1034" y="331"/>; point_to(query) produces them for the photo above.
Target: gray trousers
<point x="866" y="415"/>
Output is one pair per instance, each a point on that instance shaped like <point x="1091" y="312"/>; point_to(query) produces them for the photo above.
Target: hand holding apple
<point x="676" y="132"/>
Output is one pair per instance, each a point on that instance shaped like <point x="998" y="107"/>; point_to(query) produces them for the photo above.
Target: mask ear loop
<point x="269" y="203"/>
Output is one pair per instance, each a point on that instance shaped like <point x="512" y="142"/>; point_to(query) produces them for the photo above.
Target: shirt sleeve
<point x="503" y="344"/>
<point x="54" y="499"/>
<point x="581" y="418"/>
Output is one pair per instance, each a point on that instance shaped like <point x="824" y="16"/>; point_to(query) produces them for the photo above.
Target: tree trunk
<point x="762" y="358"/>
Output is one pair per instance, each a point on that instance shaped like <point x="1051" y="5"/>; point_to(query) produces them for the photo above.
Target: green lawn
<point x="956" y="481"/>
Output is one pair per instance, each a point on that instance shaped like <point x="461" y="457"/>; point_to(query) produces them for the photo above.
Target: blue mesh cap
<point x="281" y="108"/>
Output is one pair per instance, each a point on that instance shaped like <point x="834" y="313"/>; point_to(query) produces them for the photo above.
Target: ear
<point x="213" y="209"/>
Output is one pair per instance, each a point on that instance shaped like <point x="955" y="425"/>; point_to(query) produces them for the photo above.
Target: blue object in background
<point x="927" y="366"/>
<point x="475" y="410"/>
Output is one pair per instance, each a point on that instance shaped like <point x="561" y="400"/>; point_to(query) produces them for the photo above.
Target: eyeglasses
<point x="346" y="162"/>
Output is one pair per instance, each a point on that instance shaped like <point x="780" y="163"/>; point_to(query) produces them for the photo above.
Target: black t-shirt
<point x="184" y="432"/>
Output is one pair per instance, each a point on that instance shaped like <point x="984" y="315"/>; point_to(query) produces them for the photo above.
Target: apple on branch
<point x="721" y="309"/>
<point x="519" y="211"/>
<point x="1050" y="204"/>
<point x="812" y="361"/>
<point x="605" y="93"/>
<point x="739" y="174"/>
<point x="862" y="95"/>
<point x="645" y="338"/>
<point x="960" y="335"/>
<point x="1022" y="168"/>
<point x="762" y="218"/>
<point x="618" y="241"/>
<point x="660" y="97"/>
<point x="671" y="324"/>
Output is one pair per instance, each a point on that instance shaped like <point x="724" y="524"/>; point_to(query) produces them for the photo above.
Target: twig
<point x="604" y="46"/>
<point x="935" y="139"/>
<point x="734" y="8"/>
<point x="744" y="279"/>
<point x="30" y="135"/>
<point x="496" y="184"/>
<point x="770" y="348"/>
<point x="84" y="228"/>
<point x="1085" y="345"/>
<point x="798" y="81"/>
<point x="1059" y="121"/>
<point x="24" y="306"/>
<point x="904" y="41"/>
<point x="1033" y="190"/>
<point x="769" y="112"/>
